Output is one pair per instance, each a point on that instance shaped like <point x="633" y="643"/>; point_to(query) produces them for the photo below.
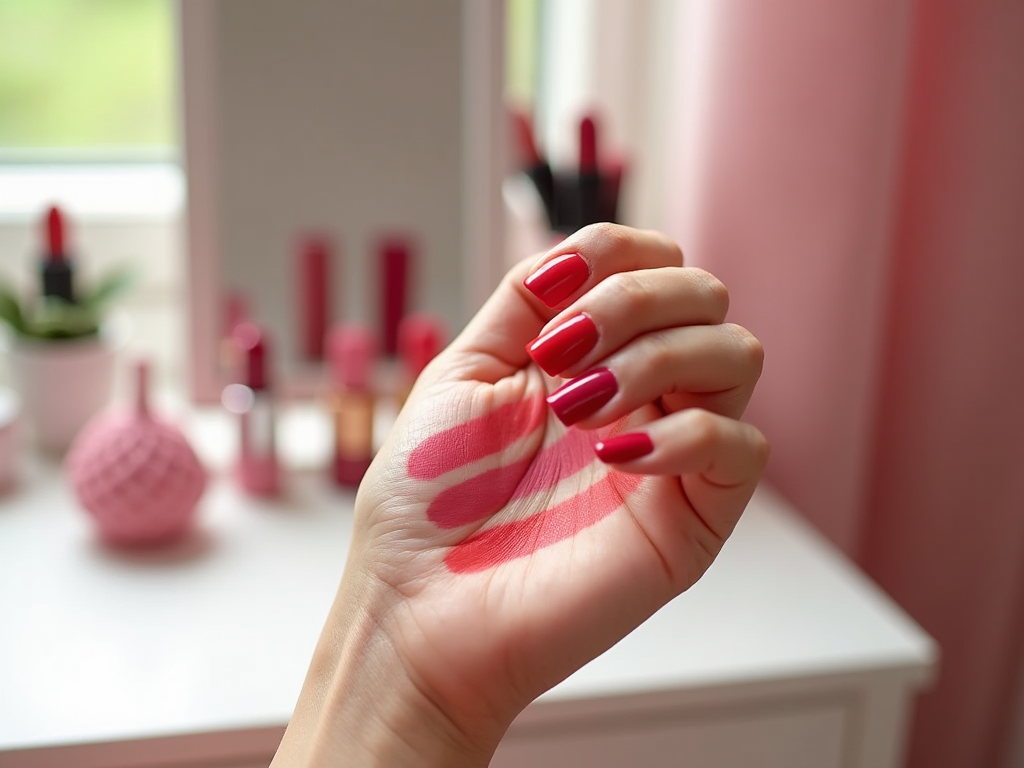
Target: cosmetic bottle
<point x="420" y="338"/>
<point x="55" y="268"/>
<point x="252" y="399"/>
<point x="395" y="265"/>
<point x="229" y="355"/>
<point x="314" y="296"/>
<point x="351" y="356"/>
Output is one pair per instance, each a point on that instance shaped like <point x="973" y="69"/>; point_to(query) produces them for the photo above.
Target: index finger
<point x="493" y="344"/>
<point x="590" y="255"/>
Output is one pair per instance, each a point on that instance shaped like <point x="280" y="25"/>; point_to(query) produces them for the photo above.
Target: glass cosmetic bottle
<point x="351" y="354"/>
<point x="252" y="399"/>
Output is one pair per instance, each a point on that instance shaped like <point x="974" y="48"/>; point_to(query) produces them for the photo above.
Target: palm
<point x="502" y="556"/>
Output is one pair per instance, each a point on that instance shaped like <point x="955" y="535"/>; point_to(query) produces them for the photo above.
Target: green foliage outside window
<point x="92" y="75"/>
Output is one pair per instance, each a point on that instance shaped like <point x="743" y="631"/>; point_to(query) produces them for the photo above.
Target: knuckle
<point x="606" y="236"/>
<point x="675" y="251"/>
<point x="750" y="348"/>
<point x="630" y="290"/>
<point x="702" y="426"/>
<point x="660" y="351"/>
<point x="714" y="289"/>
<point x="762" y="448"/>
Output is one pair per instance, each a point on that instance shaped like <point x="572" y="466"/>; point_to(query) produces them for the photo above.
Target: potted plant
<point x="61" y="351"/>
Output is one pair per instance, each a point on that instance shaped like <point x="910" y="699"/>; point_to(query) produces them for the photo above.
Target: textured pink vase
<point x="137" y="476"/>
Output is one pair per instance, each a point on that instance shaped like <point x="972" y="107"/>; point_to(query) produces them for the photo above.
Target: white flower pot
<point x="62" y="384"/>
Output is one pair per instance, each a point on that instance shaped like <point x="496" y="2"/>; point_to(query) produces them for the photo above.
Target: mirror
<point x="351" y="124"/>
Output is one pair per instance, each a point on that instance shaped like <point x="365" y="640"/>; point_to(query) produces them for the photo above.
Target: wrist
<point x="362" y="705"/>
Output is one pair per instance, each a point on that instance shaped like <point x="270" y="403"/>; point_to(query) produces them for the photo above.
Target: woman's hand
<point x="517" y="522"/>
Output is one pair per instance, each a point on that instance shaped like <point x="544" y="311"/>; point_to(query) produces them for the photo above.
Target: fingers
<point x="493" y="344"/>
<point x="587" y="257"/>
<point x="720" y="460"/>
<point x="620" y="308"/>
<point x="714" y="366"/>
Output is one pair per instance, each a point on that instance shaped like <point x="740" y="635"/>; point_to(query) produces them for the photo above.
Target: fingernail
<point x="623" y="448"/>
<point x="577" y="399"/>
<point x="559" y="279"/>
<point x="565" y="345"/>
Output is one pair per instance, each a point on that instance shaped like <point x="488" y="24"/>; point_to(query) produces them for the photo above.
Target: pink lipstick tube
<point x="420" y="338"/>
<point x="253" y="401"/>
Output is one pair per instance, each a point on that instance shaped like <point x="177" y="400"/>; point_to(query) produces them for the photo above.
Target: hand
<point x="515" y="526"/>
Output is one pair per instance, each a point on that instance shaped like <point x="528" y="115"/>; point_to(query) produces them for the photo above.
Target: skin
<point x="422" y="662"/>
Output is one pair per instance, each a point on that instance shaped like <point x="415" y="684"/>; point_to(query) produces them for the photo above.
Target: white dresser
<point x="784" y="655"/>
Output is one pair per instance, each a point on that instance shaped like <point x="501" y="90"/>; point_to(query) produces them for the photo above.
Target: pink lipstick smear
<point x="483" y="495"/>
<point x="509" y="541"/>
<point x="477" y="438"/>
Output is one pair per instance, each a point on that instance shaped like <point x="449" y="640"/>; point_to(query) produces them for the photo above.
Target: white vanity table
<point x="783" y="655"/>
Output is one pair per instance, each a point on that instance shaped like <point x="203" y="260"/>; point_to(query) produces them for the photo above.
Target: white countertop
<point x="214" y="635"/>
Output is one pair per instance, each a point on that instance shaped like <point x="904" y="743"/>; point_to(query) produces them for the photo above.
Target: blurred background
<point x="853" y="171"/>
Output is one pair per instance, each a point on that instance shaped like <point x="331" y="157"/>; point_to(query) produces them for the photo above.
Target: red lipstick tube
<point x="56" y="270"/>
<point x="589" y="177"/>
<point x="395" y="258"/>
<point x="314" y="296"/>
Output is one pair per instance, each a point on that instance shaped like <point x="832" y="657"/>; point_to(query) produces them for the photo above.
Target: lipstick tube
<point x="420" y="339"/>
<point x="314" y="296"/>
<point x="533" y="164"/>
<point x="395" y="259"/>
<point x="230" y="356"/>
<point x="351" y="356"/>
<point x="258" y="470"/>
<point x="589" y="181"/>
<point x="55" y="269"/>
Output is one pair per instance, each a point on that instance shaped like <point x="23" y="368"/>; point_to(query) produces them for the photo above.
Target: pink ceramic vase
<point x="137" y="476"/>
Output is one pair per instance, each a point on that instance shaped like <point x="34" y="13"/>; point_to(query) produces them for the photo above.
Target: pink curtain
<point x="855" y="173"/>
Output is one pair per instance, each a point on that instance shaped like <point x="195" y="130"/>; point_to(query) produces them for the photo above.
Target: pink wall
<point x="855" y="174"/>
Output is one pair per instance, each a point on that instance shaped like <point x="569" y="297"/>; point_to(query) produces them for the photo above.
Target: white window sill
<point x="114" y="191"/>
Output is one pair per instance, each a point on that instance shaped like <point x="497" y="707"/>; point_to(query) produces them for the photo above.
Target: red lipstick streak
<point x="503" y="543"/>
<point x="483" y="495"/>
<point x="465" y="443"/>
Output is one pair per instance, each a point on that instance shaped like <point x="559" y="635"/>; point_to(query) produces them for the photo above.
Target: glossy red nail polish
<point x="583" y="396"/>
<point x="559" y="279"/>
<point x="623" y="448"/>
<point x="564" y="345"/>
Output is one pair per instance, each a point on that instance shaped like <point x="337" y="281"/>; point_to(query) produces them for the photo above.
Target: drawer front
<point x="792" y="738"/>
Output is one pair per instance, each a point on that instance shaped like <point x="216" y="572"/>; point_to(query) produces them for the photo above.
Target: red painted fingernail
<point x="623" y="448"/>
<point x="565" y="345"/>
<point x="559" y="279"/>
<point x="583" y="396"/>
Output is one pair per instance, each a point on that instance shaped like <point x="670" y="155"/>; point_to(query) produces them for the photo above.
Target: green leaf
<point x="55" y="318"/>
<point x="109" y="288"/>
<point x="10" y="310"/>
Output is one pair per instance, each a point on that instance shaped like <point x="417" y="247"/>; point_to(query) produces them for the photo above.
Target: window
<point x="88" y="121"/>
<point x="87" y="79"/>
